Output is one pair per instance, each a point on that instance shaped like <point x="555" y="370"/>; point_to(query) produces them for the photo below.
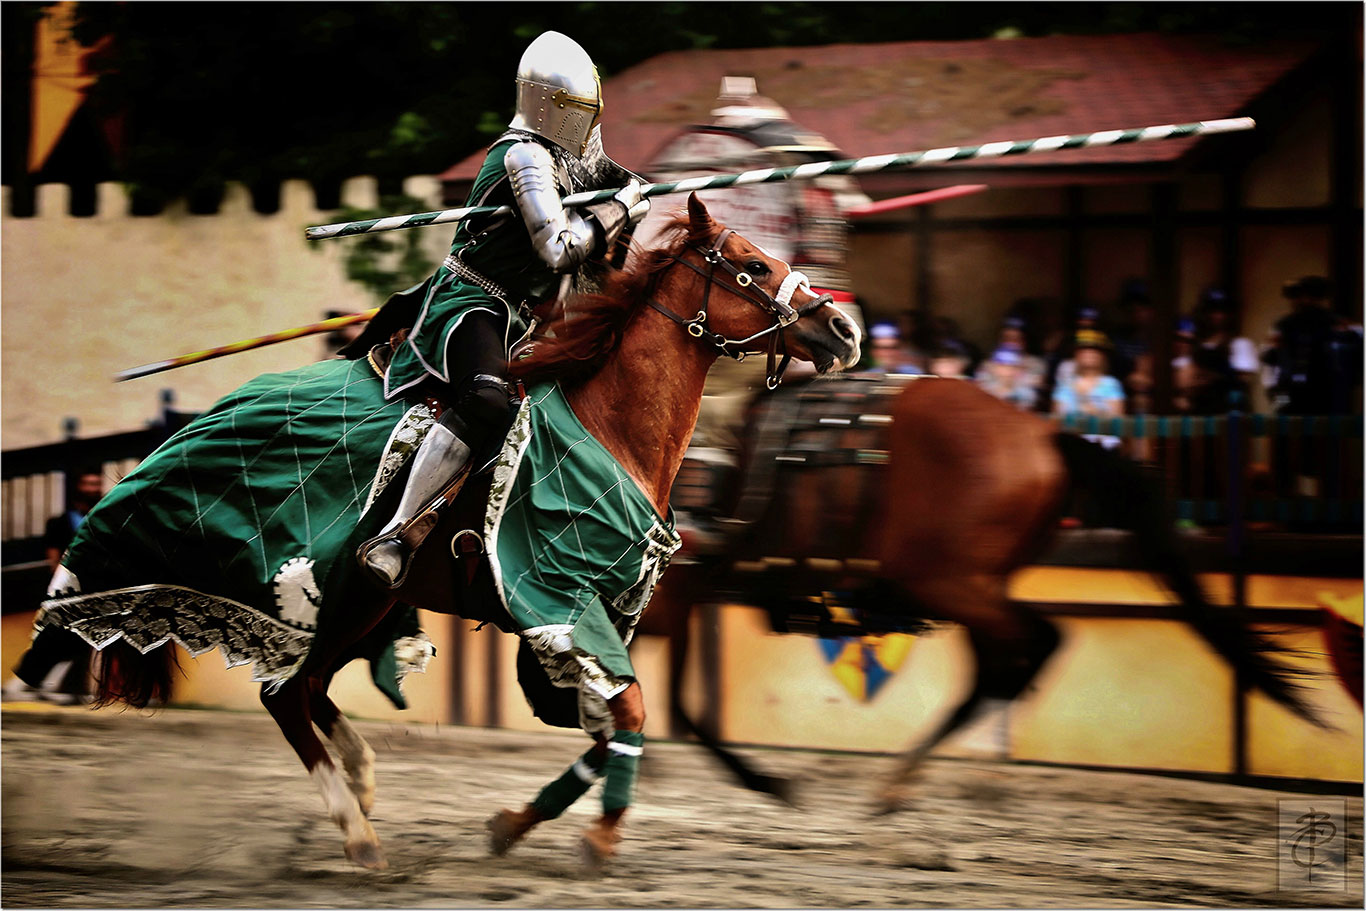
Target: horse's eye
<point x="754" y="267"/>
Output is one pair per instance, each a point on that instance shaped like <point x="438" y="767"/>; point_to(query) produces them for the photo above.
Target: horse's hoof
<point x="891" y="800"/>
<point x="366" y="854"/>
<point x="785" y="789"/>
<point x="506" y="828"/>
<point x="598" y="846"/>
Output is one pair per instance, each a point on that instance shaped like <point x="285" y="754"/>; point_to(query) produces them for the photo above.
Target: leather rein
<point x="779" y="306"/>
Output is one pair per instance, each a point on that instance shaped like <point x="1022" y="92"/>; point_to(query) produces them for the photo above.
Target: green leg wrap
<point x="623" y="761"/>
<point x="557" y="796"/>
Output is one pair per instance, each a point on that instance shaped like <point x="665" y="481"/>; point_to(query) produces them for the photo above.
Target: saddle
<point x="795" y="510"/>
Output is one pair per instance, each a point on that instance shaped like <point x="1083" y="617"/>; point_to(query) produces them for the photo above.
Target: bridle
<point x="779" y="305"/>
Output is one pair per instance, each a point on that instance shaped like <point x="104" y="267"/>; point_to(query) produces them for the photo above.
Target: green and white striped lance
<point x="815" y="169"/>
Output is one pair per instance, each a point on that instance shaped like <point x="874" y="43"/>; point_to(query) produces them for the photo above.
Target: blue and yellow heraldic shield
<point x="863" y="664"/>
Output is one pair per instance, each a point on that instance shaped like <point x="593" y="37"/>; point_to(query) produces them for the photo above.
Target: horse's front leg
<point x="620" y="770"/>
<point x="357" y="756"/>
<point x="289" y="706"/>
<point x="617" y="759"/>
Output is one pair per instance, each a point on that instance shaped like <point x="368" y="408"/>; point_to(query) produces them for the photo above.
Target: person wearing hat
<point x="1183" y="365"/>
<point x="1315" y="355"/>
<point x="1012" y="372"/>
<point x="1004" y="376"/>
<point x="888" y="352"/>
<point x="1132" y="360"/>
<point x="1090" y="390"/>
<point x="1087" y="320"/>
<point x="951" y="358"/>
<point x="1015" y="336"/>
<point x="1224" y="360"/>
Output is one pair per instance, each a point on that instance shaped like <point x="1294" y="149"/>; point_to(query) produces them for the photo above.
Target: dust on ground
<point x="195" y="809"/>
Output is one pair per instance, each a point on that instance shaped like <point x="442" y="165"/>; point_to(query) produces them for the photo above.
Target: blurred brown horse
<point x="972" y="490"/>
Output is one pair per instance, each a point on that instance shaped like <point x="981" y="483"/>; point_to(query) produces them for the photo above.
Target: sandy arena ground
<point x="206" y="809"/>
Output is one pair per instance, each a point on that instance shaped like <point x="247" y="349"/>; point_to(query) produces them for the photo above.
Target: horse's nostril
<point x="843" y="327"/>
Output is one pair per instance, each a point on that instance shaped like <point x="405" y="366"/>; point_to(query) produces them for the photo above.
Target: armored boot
<point x="455" y="445"/>
<point x="439" y="470"/>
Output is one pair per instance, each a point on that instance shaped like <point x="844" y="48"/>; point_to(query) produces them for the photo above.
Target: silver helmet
<point x="559" y="95"/>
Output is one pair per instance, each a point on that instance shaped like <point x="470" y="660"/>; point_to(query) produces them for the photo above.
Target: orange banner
<point x="60" y="81"/>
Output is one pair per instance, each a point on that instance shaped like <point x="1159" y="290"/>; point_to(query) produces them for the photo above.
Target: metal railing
<point x="33" y="480"/>
<point x="1302" y="473"/>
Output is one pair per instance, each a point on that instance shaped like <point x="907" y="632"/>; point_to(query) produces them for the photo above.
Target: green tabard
<point x="576" y="546"/>
<point x="238" y="532"/>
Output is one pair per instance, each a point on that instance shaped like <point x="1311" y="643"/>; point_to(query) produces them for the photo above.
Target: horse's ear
<point x="699" y="218"/>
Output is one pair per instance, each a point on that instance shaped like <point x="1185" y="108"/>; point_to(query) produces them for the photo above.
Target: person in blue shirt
<point x="1090" y="390"/>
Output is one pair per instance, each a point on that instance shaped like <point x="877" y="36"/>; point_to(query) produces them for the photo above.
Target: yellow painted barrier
<point x="1121" y="691"/>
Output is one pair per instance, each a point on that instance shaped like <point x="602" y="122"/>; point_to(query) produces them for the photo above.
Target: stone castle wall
<point x="82" y="298"/>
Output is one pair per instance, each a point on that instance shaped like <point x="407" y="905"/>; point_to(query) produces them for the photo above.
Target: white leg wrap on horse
<point x="344" y="809"/>
<point x="358" y="758"/>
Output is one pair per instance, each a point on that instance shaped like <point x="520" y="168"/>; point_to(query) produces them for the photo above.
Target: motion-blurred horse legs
<point x="289" y="707"/>
<point x="680" y="639"/>
<point x="357" y="757"/>
<point x="1009" y="645"/>
<point x="615" y="759"/>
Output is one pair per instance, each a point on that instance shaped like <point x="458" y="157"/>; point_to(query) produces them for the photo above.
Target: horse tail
<point x="127" y="675"/>
<point x="1134" y="498"/>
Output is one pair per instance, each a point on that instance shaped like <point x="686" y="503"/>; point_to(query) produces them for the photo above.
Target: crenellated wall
<point x="82" y="298"/>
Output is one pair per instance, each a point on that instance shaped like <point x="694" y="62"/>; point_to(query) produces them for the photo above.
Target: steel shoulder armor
<point x="561" y="237"/>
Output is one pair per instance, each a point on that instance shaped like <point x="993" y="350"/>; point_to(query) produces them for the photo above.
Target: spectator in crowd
<point x="57" y="667"/>
<point x="1224" y="361"/>
<point x="954" y="334"/>
<point x="1089" y="389"/>
<point x="1133" y="361"/>
<point x="1027" y="368"/>
<point x="1087" y="320"/>
<point x="950" y="358"/>
<point x="1014" y="335"/>
<point x="916" y="331"/>
<point x="888" y="352"/>
<point x="1004" y="376"/>
<point x="938" y="334"/>
<point x="1315" y="355"/>
<point x="1183" y="365"/>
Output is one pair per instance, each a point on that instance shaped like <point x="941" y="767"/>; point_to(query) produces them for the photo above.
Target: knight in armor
<point x="461" y="323"/>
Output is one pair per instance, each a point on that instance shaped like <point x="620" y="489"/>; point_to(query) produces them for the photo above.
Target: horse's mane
<point x="584" y="329"/>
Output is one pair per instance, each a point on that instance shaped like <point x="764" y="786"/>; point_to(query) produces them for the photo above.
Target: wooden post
<point x="1164" y="292"/>
<point x="1237" y="475"/>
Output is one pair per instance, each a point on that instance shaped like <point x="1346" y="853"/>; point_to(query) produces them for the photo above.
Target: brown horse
<point x="632" y="361"/>
<point x="969" y="490"/>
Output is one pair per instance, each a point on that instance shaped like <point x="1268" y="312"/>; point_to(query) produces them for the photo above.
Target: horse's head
<point x="755" y="303"/>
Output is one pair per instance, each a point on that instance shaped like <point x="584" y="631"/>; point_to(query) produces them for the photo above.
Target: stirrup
<point x="363" y="558"/>
<point x="414" y="531"/>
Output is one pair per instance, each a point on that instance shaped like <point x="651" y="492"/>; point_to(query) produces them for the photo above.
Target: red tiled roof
<point x="870" y="99"/>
